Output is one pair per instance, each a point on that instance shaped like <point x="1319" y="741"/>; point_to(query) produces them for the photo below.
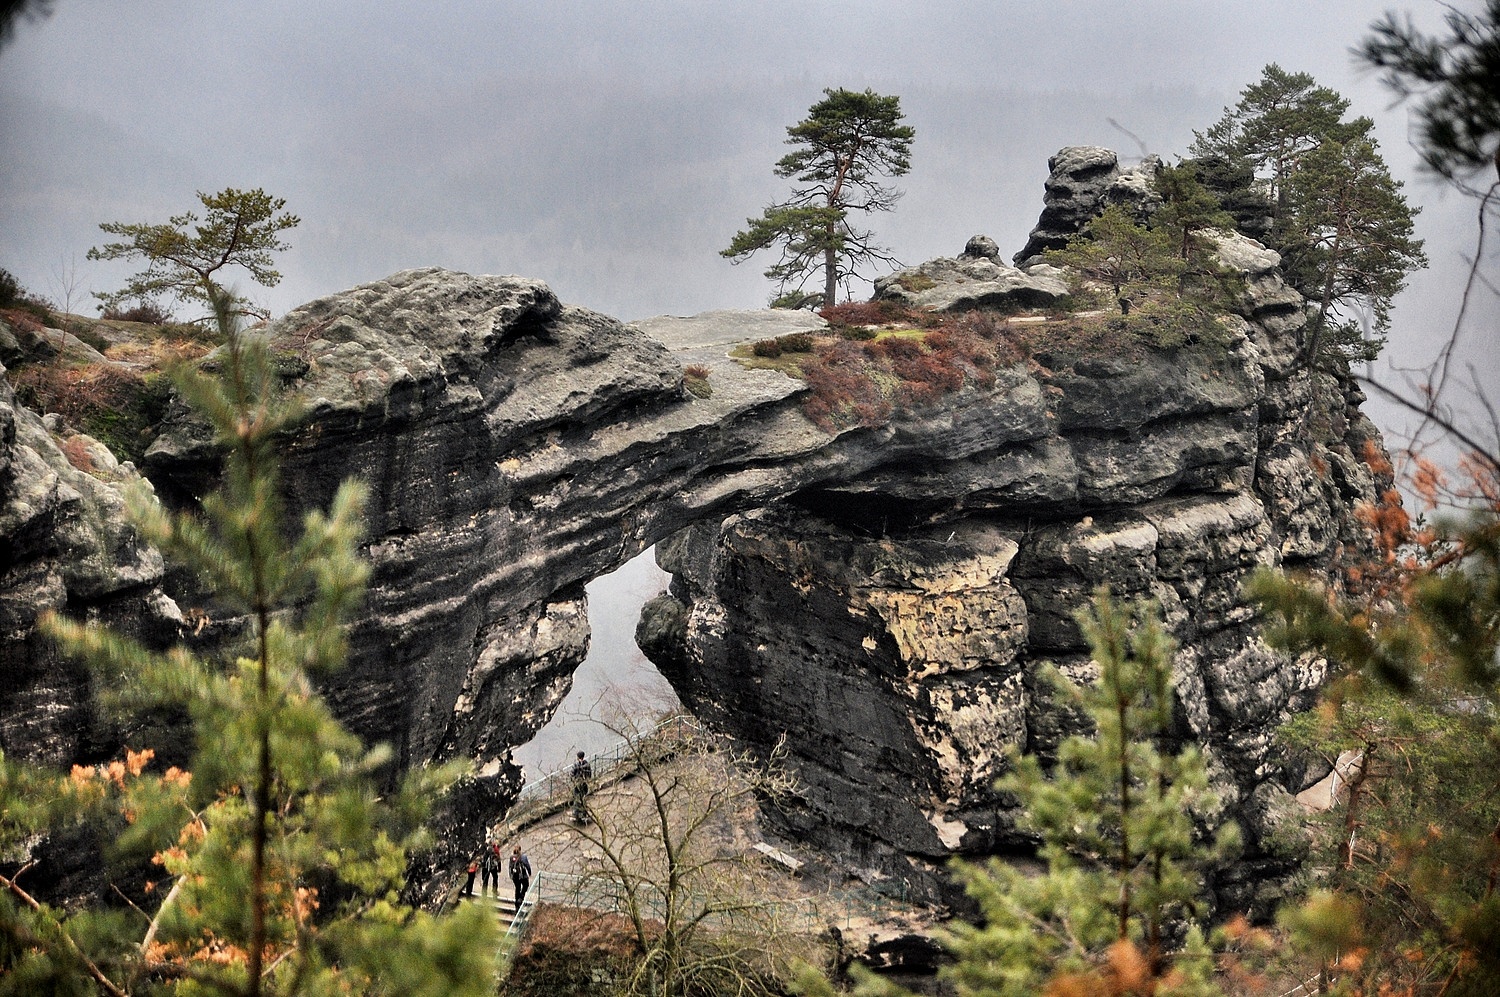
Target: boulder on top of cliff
<point x="1243" y="254"/>
<point x="982" y="246"/>
<point x="1084" y="181"/>
<point x="974" y="280"/>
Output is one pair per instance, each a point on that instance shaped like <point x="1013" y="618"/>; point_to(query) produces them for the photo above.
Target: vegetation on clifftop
<point x="847" y="143"/>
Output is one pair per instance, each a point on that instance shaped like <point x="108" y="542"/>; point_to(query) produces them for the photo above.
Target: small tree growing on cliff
<point x="239" y="228"/>
<point x="280" y="865"/>
<point x="1167" y="283"/>
<point x="847" y="143"/>
<point x="1130" y="259"/>
<point x="1117" y="829"/>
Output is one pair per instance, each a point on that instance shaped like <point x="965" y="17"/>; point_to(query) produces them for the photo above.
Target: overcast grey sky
<point x="612" y="149"/>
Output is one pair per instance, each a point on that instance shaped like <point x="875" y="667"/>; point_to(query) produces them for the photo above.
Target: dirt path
<point x="560" y="849"/>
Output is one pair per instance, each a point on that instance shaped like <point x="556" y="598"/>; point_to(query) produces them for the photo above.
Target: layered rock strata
<point x="65" y="545"/>
<point x="893" y="625"/>
<point x="884" y="594"/>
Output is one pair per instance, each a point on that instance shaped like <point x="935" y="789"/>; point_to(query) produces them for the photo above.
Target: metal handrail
<point x="1310" y="987"/>
<point x="522" y="916"/>
<point x="813" y="913"/>
<point x="601" y="761"/>
<point x="597" y="893"/>
<point x="558" y="784"/>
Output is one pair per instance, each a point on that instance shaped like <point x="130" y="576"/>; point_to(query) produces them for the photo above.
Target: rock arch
<point x="517" y="447"/>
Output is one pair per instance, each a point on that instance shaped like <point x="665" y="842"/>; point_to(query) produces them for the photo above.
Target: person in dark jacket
<point x="489" y="869"/>
<point x="520" y="874"/>
<point x="582" y="773"/>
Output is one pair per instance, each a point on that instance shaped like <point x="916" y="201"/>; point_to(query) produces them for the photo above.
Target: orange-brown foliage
<point x="79" y="455"/>
<point x="579" y="930"/>
<point x="565" y="945"/>
<point x="842" y="392"/>
<point x="877" y="313"/>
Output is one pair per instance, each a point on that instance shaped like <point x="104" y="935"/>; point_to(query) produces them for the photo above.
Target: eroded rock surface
<point x="973" y="280"/>
<point x="1083" y="181"/>
<point x="64" y="544"/>
<point x="885" y="595"/>
<point x="893" y="624"/>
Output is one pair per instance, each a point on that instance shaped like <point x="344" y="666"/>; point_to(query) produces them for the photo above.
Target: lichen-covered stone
<point x="886" y="595"/>
<point x="1169" y="477"/>
<point x="972" y="281"/>
<point x="66" y="544"/>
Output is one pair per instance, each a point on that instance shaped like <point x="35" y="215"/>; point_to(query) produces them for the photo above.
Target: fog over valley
<point x="613" y="150"/>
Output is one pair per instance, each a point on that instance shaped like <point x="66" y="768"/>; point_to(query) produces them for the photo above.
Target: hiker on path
<point x="468" y="890"/>
<point x="582" y="773"/>
<point x="489" y="869"/>
<point x="520" y="874"/>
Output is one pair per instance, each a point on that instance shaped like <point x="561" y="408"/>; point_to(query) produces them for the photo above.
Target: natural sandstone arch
<point x="517" y="447"/>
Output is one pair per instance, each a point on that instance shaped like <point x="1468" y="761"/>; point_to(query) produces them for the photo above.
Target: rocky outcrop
<point x="883" y="594"/>
<point x="1084" y="180"/>
<point x="974" y="280"/>
<point x="516" y="448"/>
<point x="893" y="624"/>
<point x="65" y="546"/>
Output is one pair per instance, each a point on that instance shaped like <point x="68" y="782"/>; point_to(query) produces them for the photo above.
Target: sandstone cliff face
<point x="64" y="545"/>
<point x="892" y="625"/>
<point x="884" y="595"/>
<point x="515" y="448"/>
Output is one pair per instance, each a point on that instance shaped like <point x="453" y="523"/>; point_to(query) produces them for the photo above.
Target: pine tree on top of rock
<point x="848" y="143"/>
<point x="185" y="256"/>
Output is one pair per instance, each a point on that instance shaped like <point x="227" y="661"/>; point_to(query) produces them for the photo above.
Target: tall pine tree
<point x="1339" y="219"/>
<point x="846" y="145"/>
<point x="1349" y="246"/>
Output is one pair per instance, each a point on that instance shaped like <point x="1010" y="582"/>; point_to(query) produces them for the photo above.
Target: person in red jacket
<point x="468" y="890"/>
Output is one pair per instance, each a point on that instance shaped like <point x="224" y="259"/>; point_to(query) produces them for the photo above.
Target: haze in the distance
<point x="613" y="149"/>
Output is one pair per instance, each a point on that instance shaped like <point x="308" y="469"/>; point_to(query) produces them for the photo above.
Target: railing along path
<point x="554" y="790"/>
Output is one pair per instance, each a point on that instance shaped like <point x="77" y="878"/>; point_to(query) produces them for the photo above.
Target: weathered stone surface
<point x="894" y="663"/>
<point x="885" y="595"/>
<point x="1244" y="254"/>
<point x="1083" y="181"/>
<point x="516" y="448"/>
<point x="1169" y="477"/>
<point x="974" y="280"/>
<point x="65" y="545"/>
<point x="982" y="246"/>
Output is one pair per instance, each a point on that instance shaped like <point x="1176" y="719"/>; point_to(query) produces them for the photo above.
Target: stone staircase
<point x="501" y="902"/>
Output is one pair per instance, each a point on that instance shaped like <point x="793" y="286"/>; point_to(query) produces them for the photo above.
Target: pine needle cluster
<point x="1119" y="821"/>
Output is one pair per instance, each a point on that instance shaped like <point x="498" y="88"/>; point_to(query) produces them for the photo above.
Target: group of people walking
<point x="488" y="863"/>
<point x="487" y="867"/>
